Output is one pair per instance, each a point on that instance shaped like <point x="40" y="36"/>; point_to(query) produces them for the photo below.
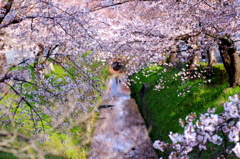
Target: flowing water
<point x="120" y="132"/>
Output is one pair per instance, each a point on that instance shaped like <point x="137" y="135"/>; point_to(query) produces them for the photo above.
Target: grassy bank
<point x="177" y="98"/>
<point x="70" y="141"/>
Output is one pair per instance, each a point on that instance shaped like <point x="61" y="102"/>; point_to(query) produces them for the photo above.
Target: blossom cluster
<point x="209" y="128"/>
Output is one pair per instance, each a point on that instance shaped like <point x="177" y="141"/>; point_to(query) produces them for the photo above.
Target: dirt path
<point x="120" y="132"/>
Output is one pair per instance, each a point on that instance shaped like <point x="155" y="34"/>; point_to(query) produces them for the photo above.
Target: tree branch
<point x="18" y="20"/>
<point x="2" y="134"/>
<point x="30" y="106"/>
<point x="116" y="4"/>
<point x="6" y="9"/>
<point x="108" y="6"/>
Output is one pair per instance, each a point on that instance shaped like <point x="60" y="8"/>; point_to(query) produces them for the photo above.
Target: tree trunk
<point x="211" y="57"/>
<point x="231" y="60"/>
<point x="39" y="55"/>
<point x="3" y="64"/>
<point x="5" y="10"/>
<point x="172" y="58"/>
<point x="194" y="61"/>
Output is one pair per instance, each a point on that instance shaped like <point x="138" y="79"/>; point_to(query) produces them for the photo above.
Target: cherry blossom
<point x="236" y="150"/>
<point x="206" y="130"/>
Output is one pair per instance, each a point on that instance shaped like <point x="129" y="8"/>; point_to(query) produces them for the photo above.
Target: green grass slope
<point x="176" y="99"/>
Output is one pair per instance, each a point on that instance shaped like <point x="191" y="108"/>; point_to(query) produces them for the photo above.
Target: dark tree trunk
<point x="231" y="60"/>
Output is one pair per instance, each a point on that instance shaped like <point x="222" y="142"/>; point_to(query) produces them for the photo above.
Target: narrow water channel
<point x="120" y="131"/>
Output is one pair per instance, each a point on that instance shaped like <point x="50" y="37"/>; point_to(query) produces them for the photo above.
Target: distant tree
<point x="211" y="56"/>
<point x="147" y="29"/>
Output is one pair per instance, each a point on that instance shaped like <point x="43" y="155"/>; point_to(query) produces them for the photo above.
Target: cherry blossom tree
<point x="38" y="104"/>
<point x="150" y="30"/>
<point x="142" y="32"/>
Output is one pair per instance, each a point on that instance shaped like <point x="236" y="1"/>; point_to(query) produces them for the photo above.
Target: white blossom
<point x="159" y="145"/>
<point x="176" y="137"/>
<point x="234" y="134"/>
<point x="236" y="149"/>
